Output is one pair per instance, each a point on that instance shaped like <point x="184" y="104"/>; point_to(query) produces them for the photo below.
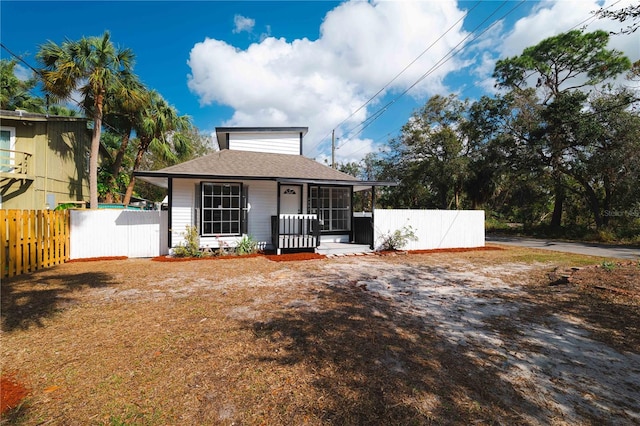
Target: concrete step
<point x="342" y="248"/>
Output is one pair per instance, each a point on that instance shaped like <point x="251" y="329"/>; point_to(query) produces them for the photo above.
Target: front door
<point x="290" y="199"/>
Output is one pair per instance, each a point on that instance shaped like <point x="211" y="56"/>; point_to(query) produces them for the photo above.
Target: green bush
<point x="247" y="245"/>
<point x="608" y="266"/>
<point x="397" y="239"/>
<point x="191" y="245"/>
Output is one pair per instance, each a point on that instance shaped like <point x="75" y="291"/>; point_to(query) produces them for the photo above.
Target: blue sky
<point x="293" y="63"/>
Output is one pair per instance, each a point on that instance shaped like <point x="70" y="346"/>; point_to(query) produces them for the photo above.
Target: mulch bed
<point x="188" y="259"/>
<point x="12" y="392"/>
<point x="289" y="257"/>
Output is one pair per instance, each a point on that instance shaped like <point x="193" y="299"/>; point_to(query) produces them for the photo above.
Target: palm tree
<point x="161" y="129"/>
<point x="95" y="67"/>
<point x="121" y="112"/>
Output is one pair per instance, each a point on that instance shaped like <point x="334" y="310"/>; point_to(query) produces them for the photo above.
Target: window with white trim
<point x="221" y="208"/>
<point x="7" y="148"/>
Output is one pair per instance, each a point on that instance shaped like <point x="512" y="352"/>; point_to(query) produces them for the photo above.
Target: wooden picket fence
<point x="32" y="240"/>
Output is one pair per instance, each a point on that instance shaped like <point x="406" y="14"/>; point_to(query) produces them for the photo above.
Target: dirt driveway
<point x="484" y="337"/>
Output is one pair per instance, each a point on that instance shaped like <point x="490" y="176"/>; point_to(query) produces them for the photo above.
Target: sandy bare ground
<point x="551" y="360"/>
<point x="443" y="339"/>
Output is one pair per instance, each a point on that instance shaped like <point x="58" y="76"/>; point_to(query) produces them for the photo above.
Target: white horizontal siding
<point x="274" y="143"/>
<point x="434" y="229"/>
<point x="263" y="199"/>
<point x="131" y="233"/>
<point x="182" y="209"/>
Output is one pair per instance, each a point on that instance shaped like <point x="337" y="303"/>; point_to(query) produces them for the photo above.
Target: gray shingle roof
<point x="231" y="163"/>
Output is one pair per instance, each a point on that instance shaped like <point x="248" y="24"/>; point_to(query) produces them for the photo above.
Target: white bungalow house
<point x="260" y="184"/>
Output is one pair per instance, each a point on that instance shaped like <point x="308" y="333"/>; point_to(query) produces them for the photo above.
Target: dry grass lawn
<point x="445" y="338"/>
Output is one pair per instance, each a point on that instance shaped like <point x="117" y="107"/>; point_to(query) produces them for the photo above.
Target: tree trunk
<point x="443" y="197"/>
<point x="606" y="205"/>
<point x="95" y="152"/>
<point x="556" y="217"/>
<point x="132" y="181"/>
<point x="592" y="201"/>
<point x="117" y="164"/>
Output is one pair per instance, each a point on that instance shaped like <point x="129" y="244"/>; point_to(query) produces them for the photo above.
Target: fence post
<point x="33" y="241"/>
<point x="4" y="248"/>
<point x="13" y="239"/>
<point x="24" y="240"/>
<point x="67" y="235"/>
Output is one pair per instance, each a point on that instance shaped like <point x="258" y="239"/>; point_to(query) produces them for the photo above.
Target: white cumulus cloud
<point x="319" y="83"/>
<point x="362" y="46"/>
<point x="242" y="23"/>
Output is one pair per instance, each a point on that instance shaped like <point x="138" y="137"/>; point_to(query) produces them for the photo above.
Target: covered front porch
<point x="319" y="215"/>
<point x="297" y="232"/>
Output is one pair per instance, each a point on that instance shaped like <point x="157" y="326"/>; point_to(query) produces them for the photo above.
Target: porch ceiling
<point x="358" y="185"/>
<point x="161" y="181"/>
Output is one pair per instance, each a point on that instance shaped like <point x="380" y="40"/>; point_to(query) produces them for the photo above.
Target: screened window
<point x="333" y="207"/>
<point x="221" y="208"/>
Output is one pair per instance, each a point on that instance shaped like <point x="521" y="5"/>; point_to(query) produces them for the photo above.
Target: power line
<point x="380" y="112"/>
<point x="454" y="51"/>
<point x="39" y="72"/>
<point x="592" y="18"/>
<point x="20" y="59"/>
<point x="398" y="75"/>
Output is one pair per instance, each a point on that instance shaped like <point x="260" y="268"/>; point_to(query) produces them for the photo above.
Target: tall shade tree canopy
<point x="568" y="61"/>
<point x="563" y="69"/>
<point x="94" y="67"/>
<point x="16" y="93"/>
<point x="432" y="155"/>
<point x="631" y="13"/>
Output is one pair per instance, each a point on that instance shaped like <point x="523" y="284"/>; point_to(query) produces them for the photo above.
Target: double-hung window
<point x="221" y="208"/>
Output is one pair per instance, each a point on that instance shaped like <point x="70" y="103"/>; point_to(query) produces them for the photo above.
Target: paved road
<point x="592" y="249"/>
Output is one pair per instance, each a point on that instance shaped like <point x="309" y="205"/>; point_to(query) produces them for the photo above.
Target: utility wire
<point x="39" y="72"/>
<point x="398" y="75"/>
<point x="631" y="101"/>
<point x="455" y="50"/>
<point x="366" y="123"/>
<point x="20" y="59"/>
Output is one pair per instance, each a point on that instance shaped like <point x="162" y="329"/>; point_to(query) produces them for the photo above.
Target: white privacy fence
<point x="134" y="233"/>
<point x="131" y="233"/>
<point x="434" y="229"/>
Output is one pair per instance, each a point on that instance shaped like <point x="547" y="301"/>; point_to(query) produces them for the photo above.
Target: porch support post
<point x="278" y="250"/>
<point x="170" y="204"/>
<point x="373" y="208"/>
<point x="352" y="236"/>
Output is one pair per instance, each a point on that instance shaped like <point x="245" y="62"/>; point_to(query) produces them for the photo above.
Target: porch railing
<point x="14" y="162"/>
<point x="295" y="231"/>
